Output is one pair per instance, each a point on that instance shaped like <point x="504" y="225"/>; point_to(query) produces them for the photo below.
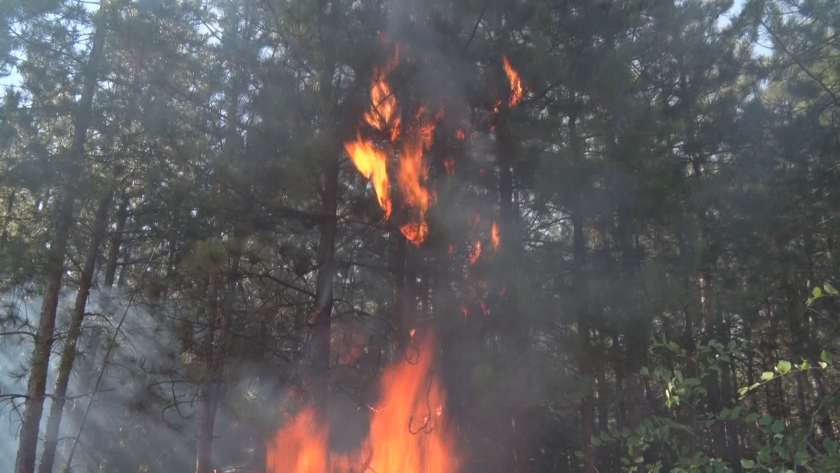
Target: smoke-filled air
<point x="419" y="236"/>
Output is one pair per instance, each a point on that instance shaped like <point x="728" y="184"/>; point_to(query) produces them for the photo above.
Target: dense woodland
<point x="628" y="267"/>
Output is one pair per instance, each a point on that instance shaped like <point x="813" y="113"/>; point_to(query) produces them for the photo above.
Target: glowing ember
<point x="449" y="165"/>
<point x="494" y="236"/>
<point x="515" y="84"/>
<point x="476" y="253"/>
<point x="460" y="134"/>
<point x="415" y="232"/>
<point x="371" y="162"/>
<point x="406" y="430"/>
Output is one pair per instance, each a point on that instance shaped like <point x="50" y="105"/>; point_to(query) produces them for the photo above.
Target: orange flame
<point x="412" y="176"/>
<point x="413" y="173"/>
<point x="515" y="84"/>
<point x="406" y="430"/>
<point x="460" y="134"/>
<point x="415" y="232"/>
<point x="494" y="236"/>
<point x="372" y="164"/>
<point x="475" y="253"/>
<point x="383" y="106"/>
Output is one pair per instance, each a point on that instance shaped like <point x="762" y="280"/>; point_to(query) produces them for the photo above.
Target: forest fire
<point x="407" y="431"/>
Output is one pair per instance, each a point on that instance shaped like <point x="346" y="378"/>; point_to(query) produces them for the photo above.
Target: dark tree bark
<point x="68" y="356"/>
<point x="322" y="314"/>
<point x="36" y="386"/>
<point x="579" y="289"/>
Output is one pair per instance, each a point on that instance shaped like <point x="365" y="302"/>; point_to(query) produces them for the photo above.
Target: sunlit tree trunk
<point x="54" y="270"/>
<point x="7" y="219"/>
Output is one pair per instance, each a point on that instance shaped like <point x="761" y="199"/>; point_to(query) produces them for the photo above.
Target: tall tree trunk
<point x="106" y="295"/>
<point x="635" y="332"/>
<point x="579" y="289"/>
<point x="603" y="396"/>
<point x="727" y="393"/>
<point x="208" y="389"/>
<point x="36" y="386"/>
<point x="68" y="356"/>
<point x="824" y="423"/>
<point x="322" y="314"/>
<point x="86" y="371"/>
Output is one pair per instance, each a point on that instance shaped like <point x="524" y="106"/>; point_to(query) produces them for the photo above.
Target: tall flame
<point x="412" y="176"/>
<point x="515" y="84"/>
<point x="407" y="434"/>
<point x="372" y="163"/>
<point x="413" y="172"/>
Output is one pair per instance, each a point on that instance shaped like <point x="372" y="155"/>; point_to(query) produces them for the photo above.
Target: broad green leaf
<point x="747" y="464"/>
<point x="778" y="426"/>
<point x="830" y="289"/>
<point x="783" y="367"/>
<point x="767" y="375"/>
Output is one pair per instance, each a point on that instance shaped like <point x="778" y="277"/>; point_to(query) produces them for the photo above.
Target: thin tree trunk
<point x="398" y="268"/>
<point x="733" y="455"/>
<point x="7" y="219"/>
<point x="208" y="390"/>
<point x="36" y="386"/>
<point x="68" y="356"/>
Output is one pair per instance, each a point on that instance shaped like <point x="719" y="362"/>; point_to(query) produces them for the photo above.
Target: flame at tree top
<point x="407" y="432"/>
<point x="516" y="91"/>
<point x="412" y="173"/>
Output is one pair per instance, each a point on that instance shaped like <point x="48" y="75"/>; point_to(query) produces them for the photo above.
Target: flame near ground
<point x="407" y="431"/>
